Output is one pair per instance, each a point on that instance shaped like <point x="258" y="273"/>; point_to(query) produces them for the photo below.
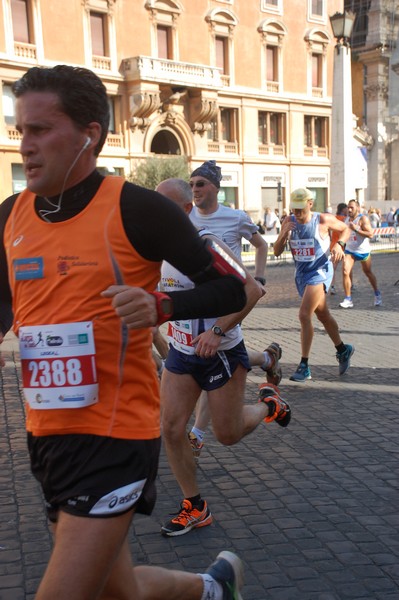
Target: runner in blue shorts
<point x="209" y="373"/>
<point x="308" y="236"/>
<point x="206" y="354"/>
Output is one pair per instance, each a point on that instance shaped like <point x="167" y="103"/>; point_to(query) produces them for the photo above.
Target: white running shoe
<point x="346" y="303"/>
<point x="377" y="299"/>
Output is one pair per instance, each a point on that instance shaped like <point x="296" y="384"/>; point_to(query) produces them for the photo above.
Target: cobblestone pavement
<point x="313" y="510"/>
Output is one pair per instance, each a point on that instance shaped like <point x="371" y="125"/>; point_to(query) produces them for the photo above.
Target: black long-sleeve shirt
<point x="158" y="230"/>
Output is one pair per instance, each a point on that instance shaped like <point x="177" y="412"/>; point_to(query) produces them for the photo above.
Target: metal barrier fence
<point x="386" y="239"/>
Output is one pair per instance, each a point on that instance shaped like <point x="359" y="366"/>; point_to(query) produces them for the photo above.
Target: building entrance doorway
<point x="164" y="142"/>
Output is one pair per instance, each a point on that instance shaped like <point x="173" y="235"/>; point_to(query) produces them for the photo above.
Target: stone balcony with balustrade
<point x="172" y="72"/>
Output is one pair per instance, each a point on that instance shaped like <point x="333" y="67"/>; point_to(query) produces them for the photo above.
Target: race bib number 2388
<point x="58" y="365"/>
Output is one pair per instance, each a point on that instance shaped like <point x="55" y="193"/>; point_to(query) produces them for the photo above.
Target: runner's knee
<point x="228" y="438"/>
<point x="225" y="436"/>
<point x="173" y="428"/>
<point x="304" y="316"/>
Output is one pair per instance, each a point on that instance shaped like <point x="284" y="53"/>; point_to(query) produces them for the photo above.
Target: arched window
<point x="317" y="43"/>
<point x="222" y="23"/>
<point x="272" y="37"/>
<point x="99" y="31"/>
<point x="164" y="38"/>
<point x="23" y="33"/>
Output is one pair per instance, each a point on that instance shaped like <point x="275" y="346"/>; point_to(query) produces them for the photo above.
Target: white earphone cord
<point x="44" y="213"/>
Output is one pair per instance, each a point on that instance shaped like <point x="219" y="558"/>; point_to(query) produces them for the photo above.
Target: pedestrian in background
<point x="271" y="222"/>
<point x="341" y="214"/>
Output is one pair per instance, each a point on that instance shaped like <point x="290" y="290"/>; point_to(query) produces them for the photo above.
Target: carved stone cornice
<point x="316" y="45"/>
<point x="271" y="38"/>
<point x="108" y="5"/>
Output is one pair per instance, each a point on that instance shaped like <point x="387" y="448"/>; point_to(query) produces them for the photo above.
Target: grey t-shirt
<point x="227" y="224"/>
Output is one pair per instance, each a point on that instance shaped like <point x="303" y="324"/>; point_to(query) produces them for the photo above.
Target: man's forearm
<point x="254" y="293"/>
<point x="279" y="244"/>
<point x="261" y="260"/>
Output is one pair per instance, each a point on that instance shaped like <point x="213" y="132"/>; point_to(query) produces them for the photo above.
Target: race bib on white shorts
<point x="58" y="365"/>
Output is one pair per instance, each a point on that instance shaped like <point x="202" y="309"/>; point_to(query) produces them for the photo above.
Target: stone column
<point x="342" y="187"/>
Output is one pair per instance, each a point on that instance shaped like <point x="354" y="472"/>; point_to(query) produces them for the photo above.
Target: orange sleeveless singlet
<point x="74" y="261"/>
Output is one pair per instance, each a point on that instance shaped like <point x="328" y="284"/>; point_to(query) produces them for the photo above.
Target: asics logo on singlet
<point x="213" y="378"/>
<point x="18" y="240"/>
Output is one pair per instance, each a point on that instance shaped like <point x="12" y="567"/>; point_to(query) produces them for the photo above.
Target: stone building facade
<point x="247" y="83"/>
<point x="375" y="76"/>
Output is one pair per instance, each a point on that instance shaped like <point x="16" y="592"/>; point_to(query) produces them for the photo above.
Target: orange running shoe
<point x="187" y="519"/>
<point x="279" y="409"/>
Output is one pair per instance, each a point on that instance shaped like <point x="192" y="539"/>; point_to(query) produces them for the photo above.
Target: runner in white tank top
<point x="358" y="250"/>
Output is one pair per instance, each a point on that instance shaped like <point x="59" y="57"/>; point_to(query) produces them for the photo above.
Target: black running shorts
<point x="95" y="476"/>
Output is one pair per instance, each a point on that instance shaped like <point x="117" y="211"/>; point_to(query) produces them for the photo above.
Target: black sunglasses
<point x="198" y="183"/>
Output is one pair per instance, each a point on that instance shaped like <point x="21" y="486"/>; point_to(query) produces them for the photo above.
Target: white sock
<point x="200" y="435"/>
<point x="212" y="589"/>
<point x="268" y="361"/>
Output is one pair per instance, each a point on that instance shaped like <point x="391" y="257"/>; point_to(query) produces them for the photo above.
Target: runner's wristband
<point x="262" y="280"/>
<point x="342" y="244"/>
<point x="164" y="304"/>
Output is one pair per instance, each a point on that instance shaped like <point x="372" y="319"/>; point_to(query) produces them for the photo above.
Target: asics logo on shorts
<point x="215" y="377"/>
<point x="118" y="500"/>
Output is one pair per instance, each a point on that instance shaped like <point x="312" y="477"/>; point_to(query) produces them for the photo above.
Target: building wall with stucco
<point x="247" y="84"/>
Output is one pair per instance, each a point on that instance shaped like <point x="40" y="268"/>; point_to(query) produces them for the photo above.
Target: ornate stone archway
<point x="176" y="134"/>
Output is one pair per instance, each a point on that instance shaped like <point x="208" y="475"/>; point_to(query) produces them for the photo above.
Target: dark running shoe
<point x="187" y="519"/>
<point x="228" y="570"/>
<point x="302" y="373"/>
<point x="279" y="409"/>
<point x="344" y="358"/>
<point x="274" y="374"/>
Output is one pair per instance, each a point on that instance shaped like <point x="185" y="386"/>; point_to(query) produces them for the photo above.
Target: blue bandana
<point x="210" y="171"/>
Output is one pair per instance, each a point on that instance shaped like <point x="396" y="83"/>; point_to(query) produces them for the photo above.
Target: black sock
<point x="272" y="407"/>
<point x="304" y="361"/>
<point x="340" y="348"/>
<point x="197" y="501"/>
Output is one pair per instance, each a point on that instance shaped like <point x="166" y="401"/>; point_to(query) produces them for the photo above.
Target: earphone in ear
<point x="87" y="143"/>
